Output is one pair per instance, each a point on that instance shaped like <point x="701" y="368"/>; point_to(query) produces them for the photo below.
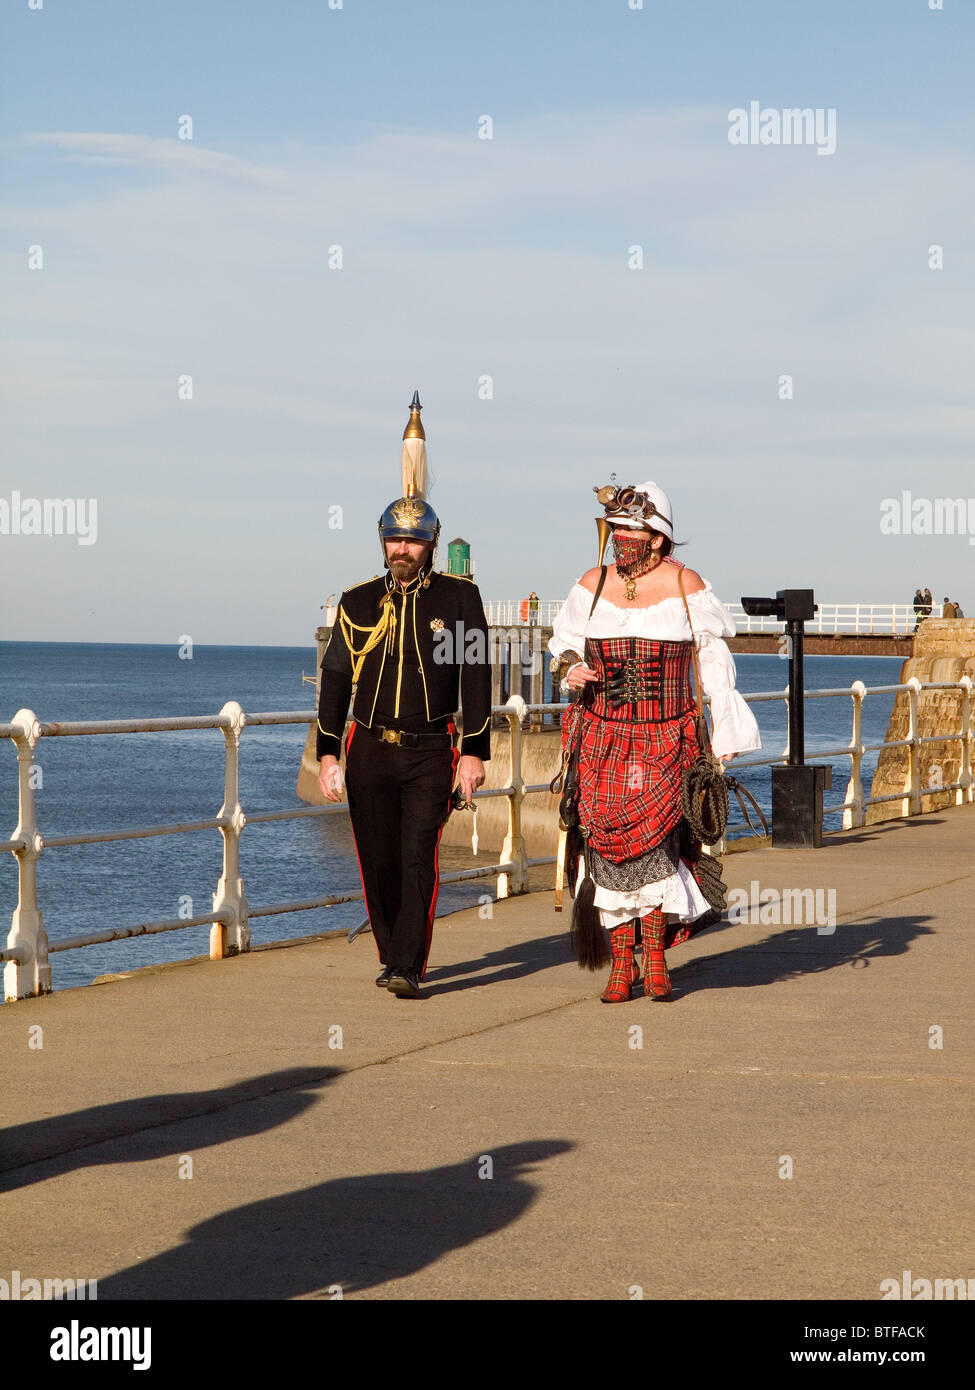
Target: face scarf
<point x="632" y="552"/>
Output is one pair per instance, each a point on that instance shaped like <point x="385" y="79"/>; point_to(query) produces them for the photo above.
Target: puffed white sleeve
<point x="734" y="729"/>
<point x="569" y="627"/>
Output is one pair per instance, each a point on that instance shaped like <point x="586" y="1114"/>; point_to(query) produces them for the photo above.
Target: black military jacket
<point x="437" y="649"/>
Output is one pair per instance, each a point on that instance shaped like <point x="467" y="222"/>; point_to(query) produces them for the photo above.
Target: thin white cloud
<point x="151" y="152"/>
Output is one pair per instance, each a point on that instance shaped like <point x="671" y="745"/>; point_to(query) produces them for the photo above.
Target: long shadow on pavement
<point x="785" y="955"/>
<point x="790" y="954"/>
<point x="510" y="963"/>
<point x="349" y="1233"/>
<point x="63" y="1143"/>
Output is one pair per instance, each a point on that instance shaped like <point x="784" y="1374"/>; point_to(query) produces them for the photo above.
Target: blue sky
<point x="463" y="258"/>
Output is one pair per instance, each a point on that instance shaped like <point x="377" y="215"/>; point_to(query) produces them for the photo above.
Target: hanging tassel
<point x="573" y="851"/>
<point x="588" y="936"/>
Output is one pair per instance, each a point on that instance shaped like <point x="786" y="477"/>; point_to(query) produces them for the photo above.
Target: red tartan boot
<point x="625" y="971"/>
<point x="656" y="978"/>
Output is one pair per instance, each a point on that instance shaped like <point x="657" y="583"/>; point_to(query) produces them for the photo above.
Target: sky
<point x="605" y="286"/>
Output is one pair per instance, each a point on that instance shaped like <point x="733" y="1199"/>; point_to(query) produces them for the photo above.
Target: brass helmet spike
<point x="414" y="426"/>
<point x="413" y="459"/>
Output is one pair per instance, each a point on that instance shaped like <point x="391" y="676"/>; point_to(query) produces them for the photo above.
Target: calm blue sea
<point x="116" y="782"/>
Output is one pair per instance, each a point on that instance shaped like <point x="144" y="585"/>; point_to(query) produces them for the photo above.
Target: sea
<point x="114" y="782"/>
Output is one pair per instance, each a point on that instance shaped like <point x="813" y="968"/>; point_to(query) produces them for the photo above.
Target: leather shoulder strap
<point x="599" y="589"/>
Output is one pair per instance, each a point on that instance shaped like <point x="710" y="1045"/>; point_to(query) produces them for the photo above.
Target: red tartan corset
<point x="640" y="679"/>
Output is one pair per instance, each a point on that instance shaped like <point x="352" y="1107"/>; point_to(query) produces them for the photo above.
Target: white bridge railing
<point x="27" y="969"/>
<point x="854" y="619"/>
<point x="511" y="612"/>
<point x="866" y="619"/>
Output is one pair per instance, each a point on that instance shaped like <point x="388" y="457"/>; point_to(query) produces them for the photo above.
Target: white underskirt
<point x="678" y="894"/>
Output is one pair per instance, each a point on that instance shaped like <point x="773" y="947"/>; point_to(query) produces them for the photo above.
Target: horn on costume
<point x="604" y="531"/>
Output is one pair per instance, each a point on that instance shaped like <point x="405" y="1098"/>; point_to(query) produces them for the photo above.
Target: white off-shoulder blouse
<point x="733" y="724"/>
<point x="734" y="729"/>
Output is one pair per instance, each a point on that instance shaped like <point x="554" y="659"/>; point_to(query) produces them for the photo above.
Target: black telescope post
<point x="795" y="632"/>
<point x="797" y="790"/>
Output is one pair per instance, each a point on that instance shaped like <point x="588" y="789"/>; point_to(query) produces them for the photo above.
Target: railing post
<point x="854" y="812"/>
<point x="30" y="973"/>
<point x="231" y="936"/>
<point x="911" y="806"/>
<point x="966" y="792"/>
<point x="511" y="884"/>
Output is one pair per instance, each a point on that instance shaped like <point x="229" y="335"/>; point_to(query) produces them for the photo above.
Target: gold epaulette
<point x="360" y="584"/>
<point x="447" y="575"/>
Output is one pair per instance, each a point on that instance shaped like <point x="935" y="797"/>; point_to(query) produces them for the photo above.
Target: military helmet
<point x="410" y="519"/>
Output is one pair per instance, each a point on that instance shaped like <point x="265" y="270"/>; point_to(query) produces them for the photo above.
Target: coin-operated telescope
<point x="797" y="790"/>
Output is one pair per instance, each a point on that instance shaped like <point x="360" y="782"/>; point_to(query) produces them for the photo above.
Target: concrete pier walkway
<point x="792" y="1125"/>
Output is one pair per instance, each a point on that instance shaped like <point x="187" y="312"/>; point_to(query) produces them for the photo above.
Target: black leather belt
<point x="401" y="738"/>
<point x="632" y="680"/>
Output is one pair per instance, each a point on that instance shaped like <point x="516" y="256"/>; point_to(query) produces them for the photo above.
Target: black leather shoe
<point x="383" y="980"/>
<point x="405" y="984"/>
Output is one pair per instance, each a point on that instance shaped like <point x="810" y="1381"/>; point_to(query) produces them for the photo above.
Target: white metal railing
<point x="854" y="805"/>
<point x="854" y="619"/>
<point x="27" y="969"/>
<point x="893" y="619"/>
<point x="512" y="612"/>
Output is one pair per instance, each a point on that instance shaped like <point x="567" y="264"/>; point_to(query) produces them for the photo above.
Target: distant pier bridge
<point x="841" y="629"/>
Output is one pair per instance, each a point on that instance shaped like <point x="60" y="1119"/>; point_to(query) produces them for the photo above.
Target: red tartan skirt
<point x="629" y="779"/>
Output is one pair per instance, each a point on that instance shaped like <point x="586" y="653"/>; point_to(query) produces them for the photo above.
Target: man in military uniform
<point x="407" y="643"/>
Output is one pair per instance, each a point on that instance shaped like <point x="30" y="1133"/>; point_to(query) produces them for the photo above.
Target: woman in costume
<point x="624" y="639"/>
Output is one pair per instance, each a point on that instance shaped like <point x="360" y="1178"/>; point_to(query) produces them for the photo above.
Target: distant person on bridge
<point x="918" y="608"/>
<point x="532" y="608"/>
<point x="404" y="641"/>
<point x="928" y="603"/>
<point x="948" y="608"/>
<point x="624" y="636"/>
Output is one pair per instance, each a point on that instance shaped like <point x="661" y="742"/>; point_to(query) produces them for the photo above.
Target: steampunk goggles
<point x="627" y="504"/>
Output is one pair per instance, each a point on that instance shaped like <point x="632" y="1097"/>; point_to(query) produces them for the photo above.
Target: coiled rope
<point x="704" y="800"/>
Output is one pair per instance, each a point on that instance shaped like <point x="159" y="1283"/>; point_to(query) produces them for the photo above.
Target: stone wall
<point x="826" y="644"/>
<point x="944" y="650"/>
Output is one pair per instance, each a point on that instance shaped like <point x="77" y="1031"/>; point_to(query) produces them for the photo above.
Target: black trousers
<point x="399" y="800"/>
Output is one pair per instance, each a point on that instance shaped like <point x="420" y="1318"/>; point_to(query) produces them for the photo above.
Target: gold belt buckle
<point x="391" y="735"/>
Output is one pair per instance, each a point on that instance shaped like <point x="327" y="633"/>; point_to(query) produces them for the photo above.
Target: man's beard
<point x="405" y="568"/>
